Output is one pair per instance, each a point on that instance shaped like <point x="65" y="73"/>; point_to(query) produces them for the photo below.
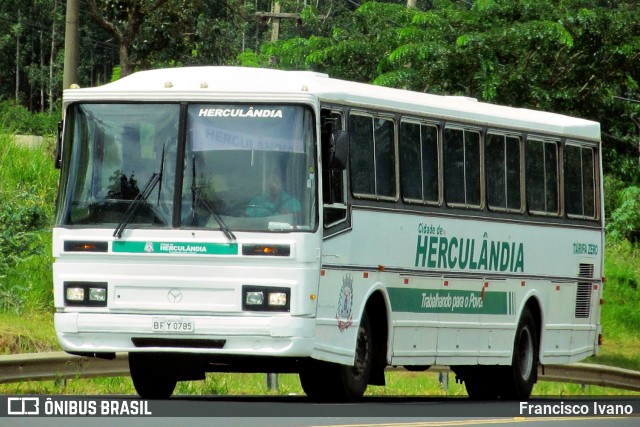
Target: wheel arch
<point x="535" y="308"/>
<point x="378" y="310"/>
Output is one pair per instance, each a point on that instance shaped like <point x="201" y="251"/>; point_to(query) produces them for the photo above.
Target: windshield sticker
<point x="207" y="138"/>
<point x="176" y="248"/>
<point x="265" y="128"/>
<point x="238" y="112"/>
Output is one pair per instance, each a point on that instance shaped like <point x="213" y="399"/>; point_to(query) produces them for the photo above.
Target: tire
<point x="481" y="382"/>
<point x="522" y="375"/>
<point x="513" y="382"/>
<point x="332" y="382"/>
<point x="152" y="375"/>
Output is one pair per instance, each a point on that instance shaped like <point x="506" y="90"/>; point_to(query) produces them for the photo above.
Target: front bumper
<point x="238" y="335"/>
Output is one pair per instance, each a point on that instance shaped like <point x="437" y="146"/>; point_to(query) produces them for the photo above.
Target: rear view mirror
<point x="58" y="158"/>
<point x="339" y="150"/>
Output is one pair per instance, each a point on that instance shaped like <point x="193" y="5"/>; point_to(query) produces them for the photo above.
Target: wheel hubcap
<point x="526" y="355"/>
<point x="362" y="352"/>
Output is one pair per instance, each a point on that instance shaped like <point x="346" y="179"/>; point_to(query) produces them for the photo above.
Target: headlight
<point x="97" y="294"/>
<point x="254" y="298"/>
<point x="265" y="298"/>
<point x="277" y="299"/>
<point x="75" y="294"/>
<point x="85" y="294"/>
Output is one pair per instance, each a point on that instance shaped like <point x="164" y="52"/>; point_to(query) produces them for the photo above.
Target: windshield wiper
<point x="207" y="204"/>
<point x="136" y="203"/>
<point x="141" y="197"/>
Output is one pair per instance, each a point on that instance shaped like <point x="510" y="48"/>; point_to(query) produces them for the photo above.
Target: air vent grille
<point x="583" y="301"/>
<point x="586" y="271"/>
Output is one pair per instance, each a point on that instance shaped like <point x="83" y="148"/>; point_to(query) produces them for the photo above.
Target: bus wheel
<point x="481" y="382"/>
<point x="333" y="382"/>
<point x="356" y="378"/>
<point x="522" y="375"/>
<point x="152" y="375"/>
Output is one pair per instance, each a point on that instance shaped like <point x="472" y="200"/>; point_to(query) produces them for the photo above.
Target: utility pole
<point x="275" y="27"/>
<point x="276" y="15"/>
<point x="71" y="45"/>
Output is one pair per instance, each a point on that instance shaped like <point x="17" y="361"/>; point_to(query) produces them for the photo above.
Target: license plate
<point x="176" y="325"/>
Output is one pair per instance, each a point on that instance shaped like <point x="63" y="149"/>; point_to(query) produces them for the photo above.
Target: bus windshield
<point x="243" y="167"/>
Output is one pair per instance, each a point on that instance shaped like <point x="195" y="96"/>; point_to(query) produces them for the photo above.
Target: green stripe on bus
<point x="184" y="248"/>
<point x="448" y="301"/>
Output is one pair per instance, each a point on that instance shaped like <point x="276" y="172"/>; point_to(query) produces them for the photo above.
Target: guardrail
<point x="60" y="365"/>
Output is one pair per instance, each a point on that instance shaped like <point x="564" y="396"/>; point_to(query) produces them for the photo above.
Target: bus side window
<point x="503" y="155"/>
<point x="579" y="181"/>
<point x="419" y="163"/>
<point x="462" y="167"/>
<point x="542" y="177"/>
<point x="333" y="190"/>
<point x="372" y="157"/>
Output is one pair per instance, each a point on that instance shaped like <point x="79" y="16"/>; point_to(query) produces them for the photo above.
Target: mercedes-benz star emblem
<point x="174" y="295"/>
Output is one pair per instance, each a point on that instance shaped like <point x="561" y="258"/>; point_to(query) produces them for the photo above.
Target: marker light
<point x="266" y="250"/>
<point x="85" y="246"/>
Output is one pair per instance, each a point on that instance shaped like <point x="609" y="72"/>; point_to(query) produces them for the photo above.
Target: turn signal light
<point x="266" y="250"/>
<point x="85" y="246"/>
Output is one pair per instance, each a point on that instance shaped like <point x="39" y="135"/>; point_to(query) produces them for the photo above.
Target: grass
<point x="399" y="383"/>
<point x="27" y="169"/>
<point x="32" y="334"/>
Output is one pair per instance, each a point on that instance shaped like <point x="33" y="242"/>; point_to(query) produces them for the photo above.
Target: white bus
<point x="251" y="220"/>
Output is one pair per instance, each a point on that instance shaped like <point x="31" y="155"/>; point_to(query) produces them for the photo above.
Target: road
<point x="297" y="411"/>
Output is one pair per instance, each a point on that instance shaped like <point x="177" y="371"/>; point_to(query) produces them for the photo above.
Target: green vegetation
<point x="19" y="120"/>
<point x="399" y="383"/>
<point x="28" y="184"/>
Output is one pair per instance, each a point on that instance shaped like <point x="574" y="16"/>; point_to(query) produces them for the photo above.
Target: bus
<point x="229" y="219"/>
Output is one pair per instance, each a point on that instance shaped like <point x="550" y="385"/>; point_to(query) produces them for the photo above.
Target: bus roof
<point x="236" y="83"/>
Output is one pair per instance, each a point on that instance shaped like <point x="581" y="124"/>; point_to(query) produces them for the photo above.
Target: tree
<point x="123" y="20"/>
<point x="195" y="32"/>
<point x="575" y="57"/>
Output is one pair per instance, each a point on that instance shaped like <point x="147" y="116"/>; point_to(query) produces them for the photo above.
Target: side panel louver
<point x="583" y="301"/>
<point x="586" y="271"/>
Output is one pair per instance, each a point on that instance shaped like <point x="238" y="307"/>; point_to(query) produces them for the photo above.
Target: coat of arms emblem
<point x="345" y="303"/>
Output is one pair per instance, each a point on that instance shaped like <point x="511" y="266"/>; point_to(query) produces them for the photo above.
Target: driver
<point x="275" y="201"/>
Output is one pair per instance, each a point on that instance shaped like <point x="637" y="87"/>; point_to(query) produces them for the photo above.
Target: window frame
<point x="559" y="198"/>
<point x="439" y="162"/>
<point x="375" y="116"/>
<point x="345" y="176"/>
<point x="594" y="152"/>
<point x="521" y="165"/>
<point x="481" y="195"/>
